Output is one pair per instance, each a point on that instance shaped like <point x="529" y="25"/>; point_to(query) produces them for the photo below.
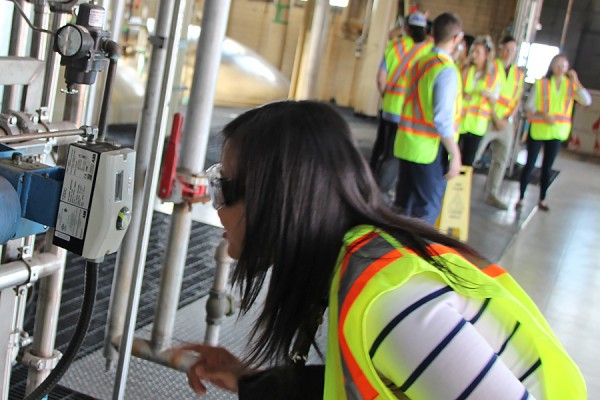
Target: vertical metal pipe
<point x="75" y="105"/>
<point x="17" y="47"/>
<point x="308" y="87"/>
<point x="563" y="37"/>
<point x="208" y="58"/>
<point x="171" y="277"/>
<point x="8" y="303"/>
<point x="197" y="130"/>
<point x="108" y="89"/>
<point x="41" y="19"/>
<point x="46" y="316"/>
<point x="146" y="131"/>
<point x="149" y="194"/>
<point x="194" y="142"/>
<point x="216" y="305"/>
<point x="116" y="20"/>
<point x="52" y="67"/>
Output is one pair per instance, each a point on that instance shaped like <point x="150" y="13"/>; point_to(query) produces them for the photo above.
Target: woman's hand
<point x="573" y="76"/>
<point x="549" y="119"/>
<point x="215" y="365"/>
<point x="486" y="94"/>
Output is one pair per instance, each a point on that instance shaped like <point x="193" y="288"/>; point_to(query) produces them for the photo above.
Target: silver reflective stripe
<point x="357" y="265"/>
<point x="406" y="59"/>
<point x="420" y="72"/>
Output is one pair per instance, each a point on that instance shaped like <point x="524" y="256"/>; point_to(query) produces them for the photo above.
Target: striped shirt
<point x="430" y="342"/>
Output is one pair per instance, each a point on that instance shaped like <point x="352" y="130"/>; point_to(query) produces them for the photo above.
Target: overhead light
<point x="335" y="3"/>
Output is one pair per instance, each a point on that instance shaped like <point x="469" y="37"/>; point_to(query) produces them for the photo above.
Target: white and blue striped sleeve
<point x="421" y="342"/>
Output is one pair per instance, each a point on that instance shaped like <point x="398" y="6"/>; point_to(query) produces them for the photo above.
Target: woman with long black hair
<point x="411" y="312"/>
<point x="550" y="109"/>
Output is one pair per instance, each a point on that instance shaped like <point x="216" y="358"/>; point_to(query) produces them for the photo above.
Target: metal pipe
<point x="75" y="105"/>
<point x="41" y="19"/>
<point x="114" y="51"/>
<point x="178" y="360"/>
<point x="17" y="47"/>
<point x="45" y="135"/>
<point x="52" y="67"/>
<point x="16" y="273"/>
<point x="46" y="316"/>
<point x="208" y="58"/>
<point x="171" y="277"/>
<point x="170" y="23"/>
<point x="143" y="145"/>
<point x="217" y="305"/>
<point x="563" y="37"/>
<point x="194" y="144"/>
<point x="8" y="305"/>
<point x="116" y="20"/>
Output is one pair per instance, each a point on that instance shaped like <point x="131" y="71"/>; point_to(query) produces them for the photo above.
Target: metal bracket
<point x="158" y="41"/>
<point x="34" y="273"/>
<point x="41" y="363"/>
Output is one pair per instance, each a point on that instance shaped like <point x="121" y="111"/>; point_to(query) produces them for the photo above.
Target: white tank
<point x="245" y="80"/>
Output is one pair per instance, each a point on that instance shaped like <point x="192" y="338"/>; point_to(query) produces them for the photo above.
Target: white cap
<point x="417" y="19"/>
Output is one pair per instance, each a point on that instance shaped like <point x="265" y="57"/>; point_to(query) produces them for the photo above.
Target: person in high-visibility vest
<point x="400" y="55"/>
<point x="412" y="313"/>
<point x="480" y="88"/>
<point x="500" y="133"/>
<point x="429" y="118"/>
<point x="550" y="108"/>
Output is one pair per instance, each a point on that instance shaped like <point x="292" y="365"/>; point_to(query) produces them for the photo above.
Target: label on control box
<point x="71" y="220"/>
<point x="79" y="177"/>
<point x="76" y="196"/>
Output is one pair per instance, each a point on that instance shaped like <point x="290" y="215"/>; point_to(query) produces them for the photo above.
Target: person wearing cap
<point x="401" y="53"/>
<point x="426" y="141"/>
<point x="501" y="131"/>
<point x="480" y="91"/>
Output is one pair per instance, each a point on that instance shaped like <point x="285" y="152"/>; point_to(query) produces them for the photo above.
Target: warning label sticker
<point x="97" y="16"/>
<point x="71" y="220"/>
<point x="79" y="177"/>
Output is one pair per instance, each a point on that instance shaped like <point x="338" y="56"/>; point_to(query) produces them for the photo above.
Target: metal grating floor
<point x="196" y="283"/>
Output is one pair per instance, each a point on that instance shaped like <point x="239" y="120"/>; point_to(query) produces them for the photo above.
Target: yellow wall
<point x="251" y="23"/>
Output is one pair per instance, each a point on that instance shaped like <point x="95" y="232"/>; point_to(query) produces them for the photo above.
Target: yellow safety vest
<point x="400" y="55"/>
<point x="555" y="102"/>
<point x="417" y="139"/>
<point x="477" y="111"/>
<point x="511" y="89"/>
<point x="358" y="281"/>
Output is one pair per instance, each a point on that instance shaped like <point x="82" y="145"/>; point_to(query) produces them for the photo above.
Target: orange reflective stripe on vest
<point x="556" y="102"/>
<point x="417" y="139"/>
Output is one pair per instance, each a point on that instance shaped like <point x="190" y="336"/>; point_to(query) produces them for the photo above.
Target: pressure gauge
<point x="73" y="41"/>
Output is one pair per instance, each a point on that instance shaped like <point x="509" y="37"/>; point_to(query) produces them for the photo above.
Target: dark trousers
<point x="383" y="163"/>
<point x="421" y="187"/>
<point x="551" y="149"/>
<point x="469" y="144"/>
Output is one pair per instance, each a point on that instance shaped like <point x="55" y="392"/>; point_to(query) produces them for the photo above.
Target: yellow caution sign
<point x="456" y="206"/>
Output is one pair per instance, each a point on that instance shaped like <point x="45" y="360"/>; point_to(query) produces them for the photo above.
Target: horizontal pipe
<point x="19" y="272"/>
<point x="31" y="136"/>
<point x="179" y="360"/>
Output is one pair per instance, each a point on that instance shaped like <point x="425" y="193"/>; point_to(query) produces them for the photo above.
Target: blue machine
<point x="29" y="195"/>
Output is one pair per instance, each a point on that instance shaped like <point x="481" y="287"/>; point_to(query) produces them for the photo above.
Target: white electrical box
<point x="96" y="198"/>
